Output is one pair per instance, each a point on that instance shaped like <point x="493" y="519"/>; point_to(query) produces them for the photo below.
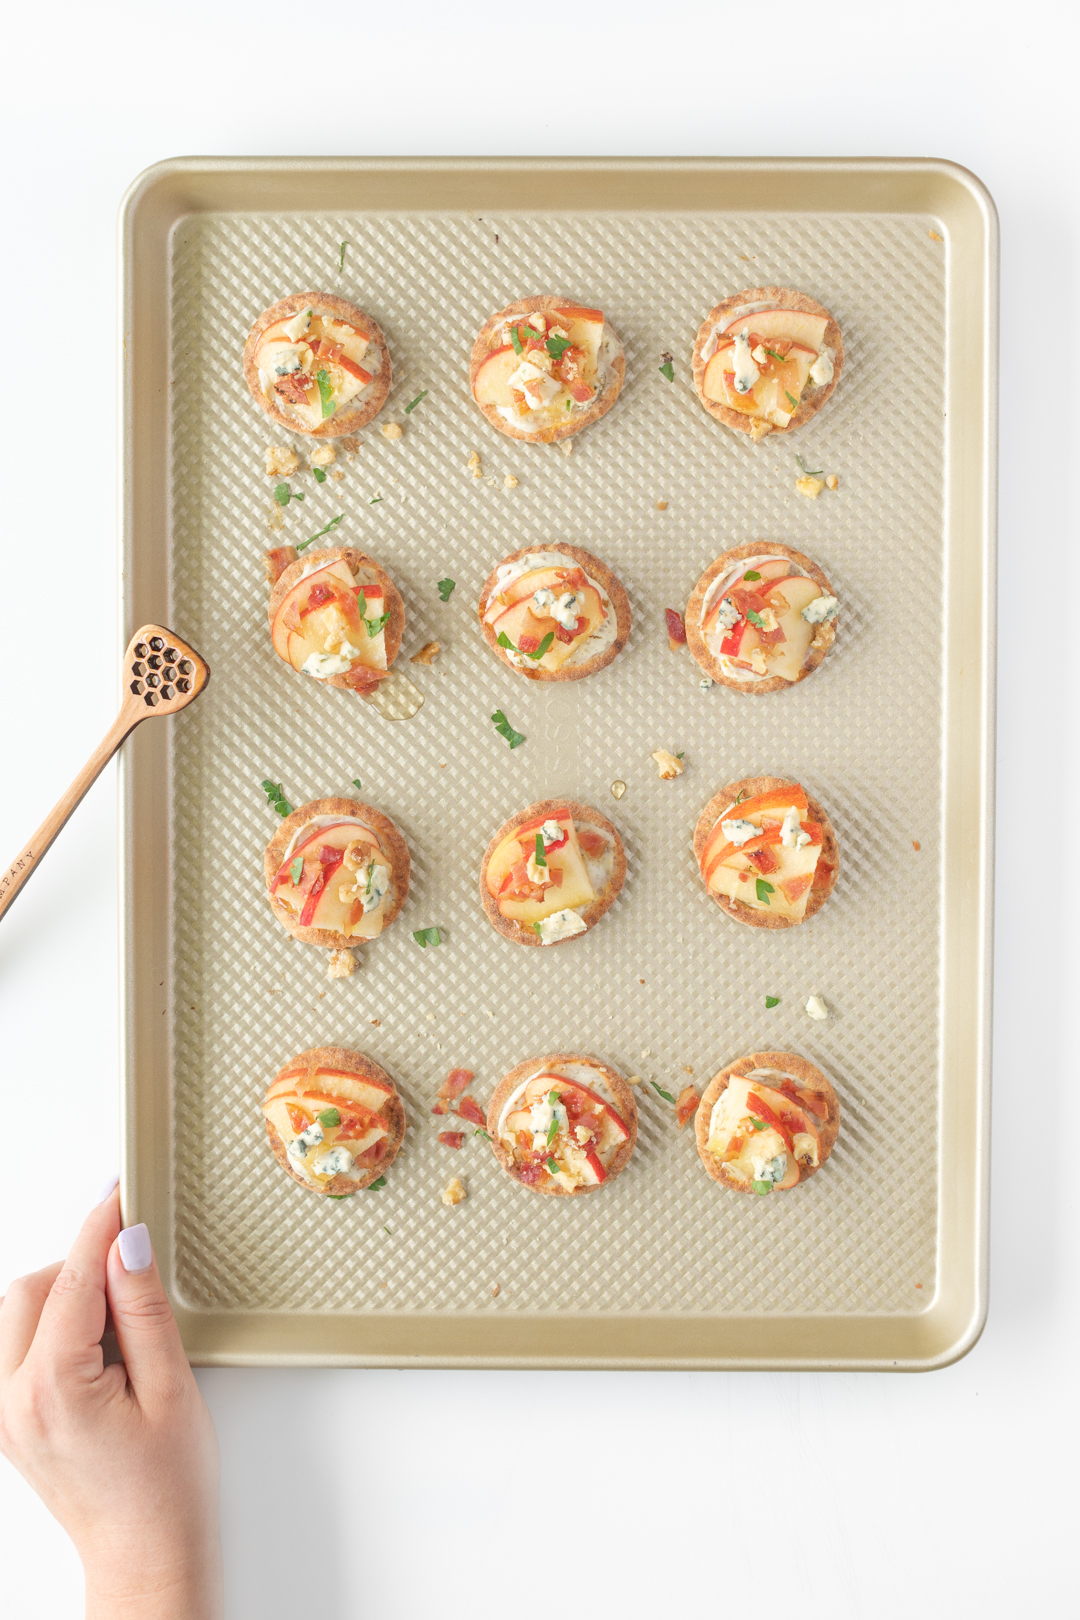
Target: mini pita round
<point x="393" y="846"/>
<point x="392" y="1113"/>
<point x="351" y="418"/>
<point x="750" y="787"/>
<point x="487" y="340"/>
<point x="695" y="640"/>
<point x="359" y="562"/>
<point x="813" y="398"/>
<point x="524" y="933"/>
<point x="597" y="571"/>
<point x="805" y="1074"/>
<point x="622" y="1100"/>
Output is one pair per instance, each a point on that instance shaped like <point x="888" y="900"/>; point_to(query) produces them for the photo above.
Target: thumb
<point x="146" y="1329"/>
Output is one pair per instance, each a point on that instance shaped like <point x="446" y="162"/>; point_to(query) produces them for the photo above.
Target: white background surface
<point x="446" y="1494"/>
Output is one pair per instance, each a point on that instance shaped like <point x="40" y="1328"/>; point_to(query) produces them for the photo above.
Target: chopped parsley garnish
<point x="412" y="406"/>
<point x="374" y="501"/>
<point x="751" y="573"/>
<point x="665" y="1094"/>
<point x="772" y="1001"/>
<point x="555" y="346"/>
<point x="277" y="798"/>
<point x="551" y="1166"/>
<point x="326" y="394"/>
<point x="329" y="1117"/>
<point x="666" y="368"/>
<point x="553" y="1130"/>
<point x="388" y="1232"/>
<point x="505" y="729"/>
<point x="333" y="523"/>
<point x="479" y="1132"/>
<point x="758" y="1124"/>
<point x="445" y="589"/>
<point x="740" y="796"/>
<point x="539" y="859"/>
<point x="776" y="356"/>
<point x="283" y="495"/>
<point x="515" y="338"/>
<point x="806" y="474"/>
<point x="534" y="335"/>
<point x="762" y="1187"/>
<point x="356" y="781"/>
<point x="375" y="625"/>
<point x="756" y="619"/>
<point x="319" y="474"/>
<point x="504" y="641"/>
<point x="296" y="869"/>
<point x="375" y="1185"/>
<point x="569" y="405"/>
<point x="341" y="261"/>
<point x="336" y="1196"/>
<point x="794" y="401"/>
<point x="764" y="890"/>
<point x="427" y="936"/>
<point x="538" y="930"/>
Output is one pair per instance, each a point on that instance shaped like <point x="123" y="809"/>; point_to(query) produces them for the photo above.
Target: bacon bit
<point x="427" y="654"/>
<point x="686" y="1105"/>
<point x="764" y="859"/>
<point x="795" y="887"/>
<point x="591" y="842"/>
<point x="529" y="1173"/>
<point x="440" y="1106"/>
<point x="915" y="844"/>
<point x="455" y="1083"/>
<point x="363" y="679"/>
<point x="468" y="1108"/>
<point x="661" y="506"/>
<point x="294" y="387"/>
<point x="275" y="562"/>
<point x="676" y="629"/>
<point x="451" y="1139"/>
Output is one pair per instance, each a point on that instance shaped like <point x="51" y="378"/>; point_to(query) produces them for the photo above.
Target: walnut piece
<point x="341" y="964"/>
<point x="667" y="764"/>
<point x="453" y="1192"/>
<point x="810" y="487"/>
<point x="832" y="482"/>
<point x="510" y="482"/>
<point x="474" y="466"/>
<point x="392" y="430"/>
<point x="427" y="654"/>
<point x="281" y="461"/>
<point x="321" y="456"/>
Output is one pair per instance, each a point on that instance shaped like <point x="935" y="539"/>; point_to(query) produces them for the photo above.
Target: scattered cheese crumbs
<point x="431" y="1017"/>
<point x="705" y="684"/>
<point x="832" y="482"/>
<point x="495" y="1292"/>
<point x="510" y="482"/>
<point x="646" y="1051"/>
<point x="427" y="654"/>
<point x="757" y="661"/>
<point x="635" y="1080"/>
<point x="341" y="964"/>
<point x="565" y="446"/>
<point x="661" y="506"/>
<point x="392" y="430"/>
<point x="453" y="1192"/>
<point x="322" y="455"/>
<point x="817" y="1009"/>
<point x="810" y="487"/>
<point x="668" y="766"/>
<point x="935" y="237"/>
<point x="474" y="466"/>
<point x="618" y="789"/>
<point x="275" y="516"/>
<point x="281" y="461"/>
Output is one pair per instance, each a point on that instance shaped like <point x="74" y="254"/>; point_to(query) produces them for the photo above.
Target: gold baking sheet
<point x="879" y="1261"/>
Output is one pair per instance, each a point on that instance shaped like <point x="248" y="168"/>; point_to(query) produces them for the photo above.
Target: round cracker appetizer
<point x="551" y="872"/>
<point x="317" y="365"/>
<point x="556" y="614"/>
<point x="337" y="873"/>
<point x="766" y="360"/>
<point x="335" y="615"/>
<point x="761" y="618"/>
<point x="767" y="852"/>
<point x="334" y="1119"/>
<point x="562" y="1124"/>
<point x="766" y="1122"/>
<point x="542" y="369"/>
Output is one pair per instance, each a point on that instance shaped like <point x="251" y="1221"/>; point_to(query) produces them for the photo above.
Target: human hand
<point x="125" y="1456"/>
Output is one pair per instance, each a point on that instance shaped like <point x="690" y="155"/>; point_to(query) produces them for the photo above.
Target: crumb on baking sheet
<point x="275" y="516"/>
<point x="688" y="1068"/>
<point x="495" y="1291"/>
<point x="350" y="443"/>
<point x="758" y="430"/>
<point x="832" y="482"/>
<point x="375" y="1021"/>
<point x="661" y="506"/>
<point x="934" y="237"/>
<point x="281" y="461"/>
<point x="686" y="1105"/>
<point x="474" y="465"/>
<point x="565" y="445"/>
<point x="634" y="1080"/>
<point x="915" y="844"/>
<point x="810" y="487"/>
<point x="341" y="964"/>
<point x="322" y="455"/>
<point x="453" y="1192"/>
<point x="392" y="430"/>
<point x="510" y="482"/>
<point x="669" y="765"/>
<point x="427" y="654"/>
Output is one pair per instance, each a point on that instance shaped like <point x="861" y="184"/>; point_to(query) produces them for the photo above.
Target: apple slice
<point x="575" y="889"/>
<point x="523" y="627"/>
<point x="558" y="580"/>
<point x="795" y="592"/>
<point x="296" y="605"/>
<point x="592" y="1171"/>
<point x="337" y="835"/>
<point x="806" y="330"/>
<point x="765" y="804"/>
<point x="780" y="383"/>
<point x="538" y="1089"/>
<point x="736" y="884"/>
<point x="490" y="387"/>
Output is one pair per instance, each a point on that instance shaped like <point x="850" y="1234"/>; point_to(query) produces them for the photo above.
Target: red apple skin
<point x="319" y="834"/>
<point x="490" y="386"/>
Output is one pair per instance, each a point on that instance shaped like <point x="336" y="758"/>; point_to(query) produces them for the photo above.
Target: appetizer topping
<point x="545" y="368"/>
<point x="276" y="796"/>
<point x="686" y="1105"/>
<point x="676" y="629"/>
<point x="453" y="1192"/>
<point x="669" y="765"/>
<point x="329" y="1122"/>
<point x="310" y="883"/>
<point x="763" y="1128"/>
<point x="505" y="729"/>
<point x="759" y="620"/>
<point x="759" y="362"/>
<point x="311" y="365"/>
<point x="548" y="871"/>
<point x="547" y="612"/>
<point x="556" y="1128"/>
<point x="560" y="925"/>
<point x="769" y="858"/>
<point x="817" y="1009"/>
<point x="332" y="622"/>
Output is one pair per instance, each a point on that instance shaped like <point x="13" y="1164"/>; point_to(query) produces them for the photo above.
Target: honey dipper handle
<point x="15" y="875"/>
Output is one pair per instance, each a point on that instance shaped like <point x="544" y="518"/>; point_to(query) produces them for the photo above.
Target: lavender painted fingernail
<point x="108" y="1189"/>
<point x="136" y="1253"/>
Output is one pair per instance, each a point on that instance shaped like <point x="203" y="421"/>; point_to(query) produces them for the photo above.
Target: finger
<point x="20" y="1312"/>
<point x="73" y="1316"/>
<point x="146" y="1329"/>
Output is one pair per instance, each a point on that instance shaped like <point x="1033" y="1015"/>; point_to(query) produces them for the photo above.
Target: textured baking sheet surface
<point x="666" y="983"/>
